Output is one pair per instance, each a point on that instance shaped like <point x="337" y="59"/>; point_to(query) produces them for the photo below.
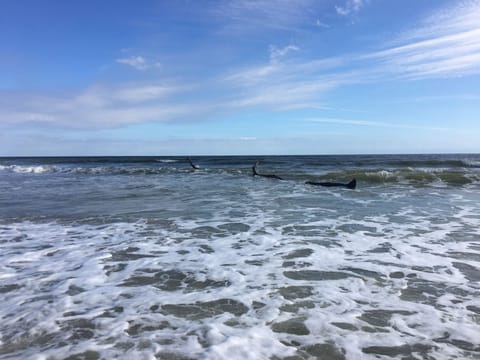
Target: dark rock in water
<point x="166" y="355"/>
<point x="292" y="326"/>
<point x="173" y="280"/>
<point x="113" y="312"/>
<point x="298" y="253"/>
<point x="469" y="271"/>
<point x="202" y="310"/>
<point x="78" y="329"/>
<point x="235" y="228"/>
<point x="296" y="292"/>
<point x="258" y="305"/>
<point x="206" y="249"/>
<point x="397" y="275"/>
<point x="382" y="248"/>
<point x="317" y="275"/>
<point x="7" y="288"/>
<point x="255" y="262"/>
<point x="474" y="309"/>
<point x="373" y="330"/>
<point x="296" y="264"/>
<point x="367" y="273"/>
<point x="296" y="307"/>
<point x="325" y="352"/>
<point x="405" y="350"/>
<point x="138" y="328"/>
<point x="128" y="254"/>
<point x="381" y="317"/>
<point x="232" y="323"/>
<point x="74" y="290"/>
<point x="87" y="355"/>
<point x="345" y="326"/>
<point x="109" y="269"/>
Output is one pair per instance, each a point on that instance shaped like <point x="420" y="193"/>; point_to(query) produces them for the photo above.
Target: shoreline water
<point x="145" y="258"/>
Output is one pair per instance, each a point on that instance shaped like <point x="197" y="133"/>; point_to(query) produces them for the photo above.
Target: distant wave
<point x="472" y="163"/>
<point x="426" y="176"/>
<point x="407" y="176"/>
<point x="167" y="160"/>
<point x="38" y="169"/>
<point x="437" y="163"/>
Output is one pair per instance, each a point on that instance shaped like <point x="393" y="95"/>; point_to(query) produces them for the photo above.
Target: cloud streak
<point x="446" y="45"/>
<point x="431" y="51"/>
<point x="374" y="124"/>
<point x="278" y="53"/>
<point x="137" y="62"/>
<point x="350" y="7"/>
<point x="266" y="14"/>
<point x="96" y="107"/>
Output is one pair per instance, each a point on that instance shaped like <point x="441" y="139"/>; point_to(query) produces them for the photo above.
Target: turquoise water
<point x="147" y="258"/>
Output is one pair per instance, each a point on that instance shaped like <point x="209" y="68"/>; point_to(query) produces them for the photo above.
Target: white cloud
<point x="276" y="53"/>
<point x="351" y="6"/>
<point x="446" y="44"/>
<point x="286" y="95"/>
<point x="137" y="62"/>
<point x="455" y="17"/>
<point x="96" y="107"/>
<point x="322" y="24"/>
<point x="136" y="94"/>
<point x="130" y="93"/>
<point x="287" y="85"/>
<point x="253" y="74"/>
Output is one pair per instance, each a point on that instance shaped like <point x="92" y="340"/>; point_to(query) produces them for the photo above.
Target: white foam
<point x="167" y="160"/>
<point x="22" y="169"/>
<point x="473" y="163"/>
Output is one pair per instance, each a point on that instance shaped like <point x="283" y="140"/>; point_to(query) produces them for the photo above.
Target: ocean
<point x="147" y="258"/>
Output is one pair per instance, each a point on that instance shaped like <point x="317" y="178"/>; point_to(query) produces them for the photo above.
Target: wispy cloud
<point x="274" y="14"/>
<point x="372" y="123"/>
<point x="127" y="93"/>
<point x="284" y="96"/>
<point x="278" y="53"/>
<point x="137" y="62"/>
<point x="321" y="24"/>
<point x="446" y="44"/>
<point x="96" y="107"/>
<point x="431" y="51"/>
<point x="283" y="84"/>
<point x="351" y="6"/>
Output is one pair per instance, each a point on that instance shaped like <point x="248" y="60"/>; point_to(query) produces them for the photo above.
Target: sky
<point x="239" y="77"/>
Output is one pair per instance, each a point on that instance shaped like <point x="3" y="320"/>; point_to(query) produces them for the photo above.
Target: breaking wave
<point x="383" y="175"/>
<point x="411" y="176"/>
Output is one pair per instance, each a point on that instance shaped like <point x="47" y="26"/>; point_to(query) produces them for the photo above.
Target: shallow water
<point x="146" y="258"/>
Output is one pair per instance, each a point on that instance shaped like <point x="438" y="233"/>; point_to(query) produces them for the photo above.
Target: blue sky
<point x="239" y="77"/>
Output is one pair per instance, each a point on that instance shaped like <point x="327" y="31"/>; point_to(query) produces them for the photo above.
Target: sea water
<point x="147" y="258"/>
